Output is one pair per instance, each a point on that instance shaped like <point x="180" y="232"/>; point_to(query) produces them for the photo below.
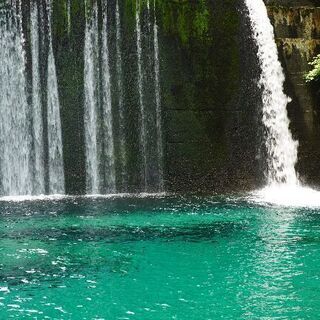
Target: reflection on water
<point x="158" y="258"/>
<point x="270" y="288"/>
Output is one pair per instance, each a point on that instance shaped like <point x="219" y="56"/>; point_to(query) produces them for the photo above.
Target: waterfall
<point x="158" y="100"/>
<point x="142" y="119"/>
<point x="31" y="144"/>
<point x="15" y="138"/>
<point x="280" y="146"/>
<point x="122" y="137"/>
<point x="91" y="103"/>
<point x="22" y="160"/>
<point x="100" y="160"/>
<point x="69" y="16"/>
<point x="37" y="117"/>
<point x="108" y="143"/>
<point x="151" y="146"/>
<point x="55" y="155"/>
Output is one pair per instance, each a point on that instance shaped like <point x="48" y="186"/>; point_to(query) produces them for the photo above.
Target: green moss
<point x="60" y="17"/>
<point x="201" y="20"/>
<point x="60" y="23"/>
<point x="186" y="19"/>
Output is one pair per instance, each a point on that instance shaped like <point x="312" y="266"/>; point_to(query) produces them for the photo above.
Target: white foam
<point x="34" y="198"/>
<point x="56" y="197"/>
<point x="288" y="196"/>
<point x="127" y="195"/>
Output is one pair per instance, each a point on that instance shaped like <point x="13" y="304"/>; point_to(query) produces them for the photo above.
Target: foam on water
<point x="58" y="197"/>
<point x="41" y="197"/>
<point x="288" y="196"/>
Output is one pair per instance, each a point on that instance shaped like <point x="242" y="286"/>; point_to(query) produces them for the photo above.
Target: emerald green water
<point x="158" y="258"/>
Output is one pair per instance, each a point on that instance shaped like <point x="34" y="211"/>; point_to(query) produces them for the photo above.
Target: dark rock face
<point x="219" y="145"/>
<point x="211" y="105"/>
<point x="297" y="30"/>
<point x="200" y="81"/>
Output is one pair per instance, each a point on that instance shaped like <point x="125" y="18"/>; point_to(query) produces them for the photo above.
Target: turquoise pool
<point x="158" y="258"/>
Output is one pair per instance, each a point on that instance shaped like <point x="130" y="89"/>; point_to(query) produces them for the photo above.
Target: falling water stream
<point x="108" y="142"/>
<point x="281" y="147"/>
<point x="37" y="113"/>
<point x="150" y="119"/>
<point x="91" y="93"/>
<point x="106" y="163"/>
<point x="55" y="155"/>
<point x="122" y="137"/>
<point x="143" y="137"/>
<point x="22" y="156"/>
<point x="158" y="101"/>
<point x="31" y="144"/>
<point x="100" y="154"/>
<point x="283" y="186"/>
<point x="15" y="138"/>
<point x="68" y="4"/>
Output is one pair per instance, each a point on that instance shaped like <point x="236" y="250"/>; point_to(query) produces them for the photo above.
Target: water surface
<point x="158" y="258"/>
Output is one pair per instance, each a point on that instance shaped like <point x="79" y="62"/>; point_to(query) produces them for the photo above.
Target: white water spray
<point x="15" y="138"/>
<point x="91" y="92"/>
<point x="143" y="128"/>
<point x="55" y="153"/>
<point x="108" y="145"/>
<point x="150" y="116"/>
<point x="158" y="100"/>
<point x="280" y="146"/>
<point x="37" y="116"/>
<point x="68" y="16"/>
<point x="122" y="137"/>
<point x="100" y="159"/>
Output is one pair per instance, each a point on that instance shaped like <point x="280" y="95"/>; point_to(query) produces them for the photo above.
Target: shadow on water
<point x="115" y="234"/>
<point x="69" y="248"/>
<point x="75" y="248"/>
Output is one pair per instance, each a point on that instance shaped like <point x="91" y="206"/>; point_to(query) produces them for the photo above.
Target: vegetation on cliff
<point x="314" y="74"/>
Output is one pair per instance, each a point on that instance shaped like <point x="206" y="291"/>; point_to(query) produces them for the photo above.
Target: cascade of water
<point x="280" y="146"/>
<point x="148" y="17"/>
<point x="18" y="8"/>
<point x="108" y="143"/>
<point x="69" y="16"/>
<point x="158" y="100"/>
<point x="55" y="152"/>
<point x="100" y="160"/>
<point x="142" y="137"/>
<point x="122" y="137"/>
<point x="15" y="138"/>
<point x="91" y="73"/>
<point x="37" y="120"/>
